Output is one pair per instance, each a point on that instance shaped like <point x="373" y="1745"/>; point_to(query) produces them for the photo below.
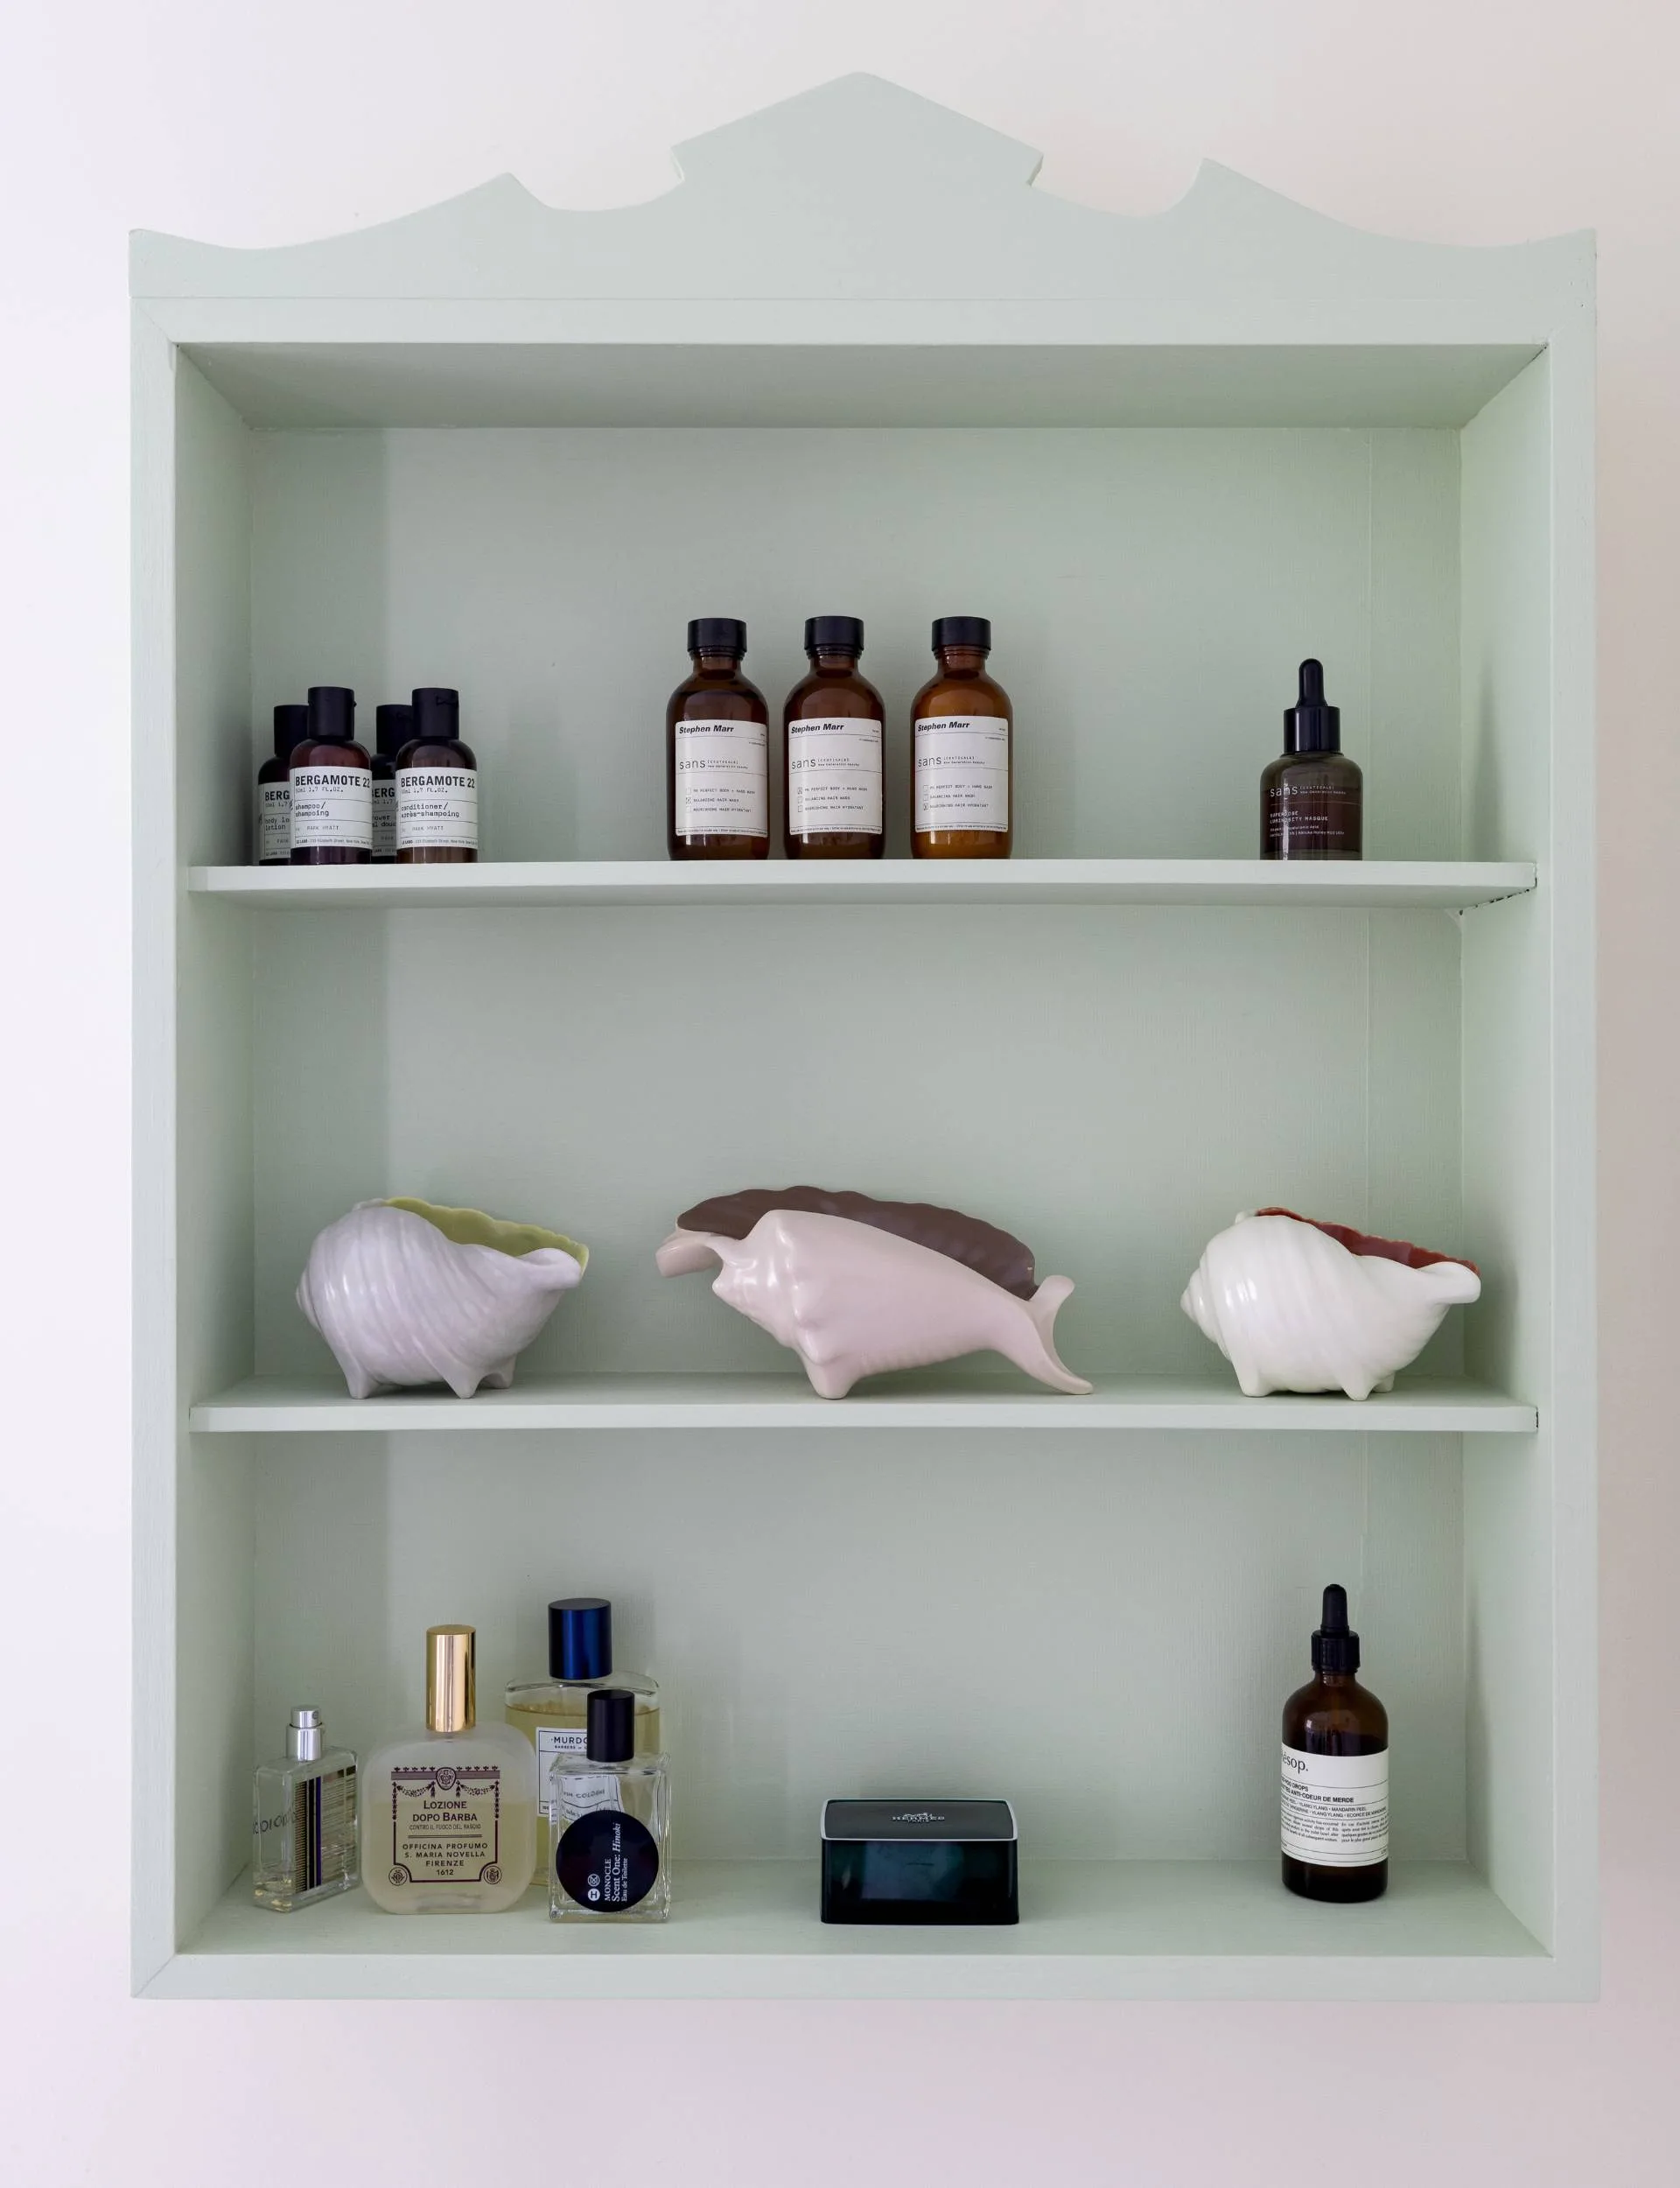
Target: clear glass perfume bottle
<point x="551" y="1713"/>
<point x="610" y="1832"/>
<point x="304" y="1820"/>
<point x="450" y="1812"/>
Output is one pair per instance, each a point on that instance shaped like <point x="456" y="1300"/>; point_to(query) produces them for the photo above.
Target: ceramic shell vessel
<point x="852" y="1299"/>
<point x="407" y="1293"/>
<point x="1300" y="1306"/>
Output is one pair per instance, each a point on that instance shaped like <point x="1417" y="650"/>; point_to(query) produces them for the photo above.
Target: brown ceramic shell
<point x="994" y="1254"/>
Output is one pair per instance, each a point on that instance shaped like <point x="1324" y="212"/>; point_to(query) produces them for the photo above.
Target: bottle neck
<point x="716" y="664"/>
<point x="840" y="662"/>
<point x="967" y="660"/>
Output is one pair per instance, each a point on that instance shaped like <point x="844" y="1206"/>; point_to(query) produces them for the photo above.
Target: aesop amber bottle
<point x="1312" y="800"/>
<point x="831" y="733"/>
<point x="1335" y="1772"/>
<point x="716" y="751"/>
<point x="963" y="748"/>
<point x="437" y="786"/>
<point x="331" y="785"/>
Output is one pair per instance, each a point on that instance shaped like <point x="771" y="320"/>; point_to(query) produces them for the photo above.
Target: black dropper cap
<point x="834" y="634"/>
<point x="437" y="713"/>
<point x="717" y="635"/>
<point x="332" y="714"/>
<point x="1335" y="1648"/>
<point x="963" y="630"/>
<point x="609" y="1728"/>
<point x="580" y="1636"/>
<point x="291" y="727"/>
<point x="394" y="728"/>
<point x="1310" y="726"/>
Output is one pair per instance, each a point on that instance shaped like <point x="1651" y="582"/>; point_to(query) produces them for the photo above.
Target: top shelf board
<point x="1387" y="884"/>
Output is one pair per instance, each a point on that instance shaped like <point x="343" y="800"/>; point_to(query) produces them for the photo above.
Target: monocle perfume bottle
<point x="304" y="1820"/>
<point x="610" y="1832"/>
<point x="331" y="785"/>
<point x="1312" y="800"/>
<point x="832" y="740"/>
<point x="553" y="1713"/>
<point x="963" y="750"/>
<point x="716" y="751"/>
<point x="1335" y="1772"/>
<point x="437" y="786"/>
<point x="393" y="729"/>
<point x="271" y="837"/>
<point x="449" y="1813"/>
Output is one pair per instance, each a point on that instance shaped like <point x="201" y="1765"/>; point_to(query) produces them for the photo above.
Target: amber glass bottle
<point x="716" y="751"/>
<point x="272" y="839"/>
<point x="1311" y="801"/>
<point x="331" y="785"/>
<point x="963" y="750"/>
<point x="1335" y="1772"/>
<point x="831" y="734"/>
<point x="437" y="786"/>
<point x="393" y="729"/>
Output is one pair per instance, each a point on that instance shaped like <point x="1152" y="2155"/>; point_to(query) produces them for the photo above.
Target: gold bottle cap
<point x="452" y="1683"/>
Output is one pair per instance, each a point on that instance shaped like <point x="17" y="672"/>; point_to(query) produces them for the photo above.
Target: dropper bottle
<point x="1335" y="1772"/>
<point x="1312" y="799"/>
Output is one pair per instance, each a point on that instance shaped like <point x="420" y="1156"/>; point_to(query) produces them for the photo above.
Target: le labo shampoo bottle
<point x="1335" y="1789"/>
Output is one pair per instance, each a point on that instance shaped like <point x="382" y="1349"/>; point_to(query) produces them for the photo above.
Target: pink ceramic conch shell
<point x="853" y="1300"/>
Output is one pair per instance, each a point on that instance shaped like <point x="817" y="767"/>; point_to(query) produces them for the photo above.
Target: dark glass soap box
<point x="919" y="1860"/>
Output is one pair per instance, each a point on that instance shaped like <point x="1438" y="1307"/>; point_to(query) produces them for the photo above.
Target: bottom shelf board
<point x="750" y="1930"/>
<point x="293" y="1405"/>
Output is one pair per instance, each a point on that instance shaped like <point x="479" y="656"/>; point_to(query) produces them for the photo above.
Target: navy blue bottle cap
<point x="291" y="727"/>
<point x="394" y="728"/>
<point x="834" y="634"/>
<point x="580" y="1638"/>
<point x="1335" y="1648"/>
<point x="610" y="1725"/>
<point x="437" y="712"/>
<point x="332" y="714"/>
<point x="717" y="635"/>
<point x="963" y="630"/>
<point x="1311" y="725"/>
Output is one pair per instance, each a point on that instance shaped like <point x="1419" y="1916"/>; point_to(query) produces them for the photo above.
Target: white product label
<point x="962" y="772"/>
<point x="332" y="809"/>
<point x="834" y="776"/>
<point x="384" y="819"/>
<point x="552" y="1740"/>
<point x="1335" y="1808"/>
<point x="273" y="824"/>
<point x="438" y="809"/>
<point x="579" y="1792"/>
<point x="721" y="786"/>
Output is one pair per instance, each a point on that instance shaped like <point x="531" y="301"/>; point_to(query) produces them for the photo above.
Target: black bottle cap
<point x="717" y="635"/>
<point x="1335" y="1648"/>
<point x="291" y="727"/>
<point x="332" y="714"/>
<point x="394" y="727"/>
<point x="834" y="634"/>
<point x="1310" y="726"/>
<point x="580" y="1636"/>
<point x="437" y="713"/>
<point x="963" y="630"/>
<point x="610" y="1727"/>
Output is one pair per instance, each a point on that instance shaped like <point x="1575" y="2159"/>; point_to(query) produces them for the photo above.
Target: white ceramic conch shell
<point x="405" y="1294"/>
<point x="852" y="1301"/>
<point x="1293" y="1307"/>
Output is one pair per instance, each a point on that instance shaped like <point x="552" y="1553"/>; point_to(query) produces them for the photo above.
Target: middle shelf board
<point x="291" y="1406"/>
<point x="1421" y="885"/>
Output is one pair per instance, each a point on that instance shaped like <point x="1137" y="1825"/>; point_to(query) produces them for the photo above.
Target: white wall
<point x="1463" y="120"/>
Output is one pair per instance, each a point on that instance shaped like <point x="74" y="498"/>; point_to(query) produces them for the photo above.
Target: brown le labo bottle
<point x="1312" y="800"/>
<point x="437" y="785"/>
<point x="331" y="782"/>
<point x="963" y="750"/>
<point x="831" y="733"/>
<point x="716" y="751"/>
<point x="1335" y="1772"/>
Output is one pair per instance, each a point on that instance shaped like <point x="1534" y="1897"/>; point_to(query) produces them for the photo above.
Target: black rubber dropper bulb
<point x="1311" y="725"/>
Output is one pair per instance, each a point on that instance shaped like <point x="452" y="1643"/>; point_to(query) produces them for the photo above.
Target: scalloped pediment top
<point x="857" y="190"/>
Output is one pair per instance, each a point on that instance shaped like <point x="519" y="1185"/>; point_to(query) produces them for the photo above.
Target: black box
<point x="919" y="1861"/>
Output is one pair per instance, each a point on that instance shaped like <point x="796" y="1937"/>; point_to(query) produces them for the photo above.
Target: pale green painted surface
<point x="1115" y="1077"/>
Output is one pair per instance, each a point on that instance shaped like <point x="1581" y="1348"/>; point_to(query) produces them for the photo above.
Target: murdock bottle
<point x="271" y="839"/>
<point x="437" y="786"/>
<point x="1312" y="800"/>
<point x="963" y="750"/>
<point x="331" y="785"/>
<point x="394" y="728"/>
<point x="832" y="749"/>
<point x="1335" y="1772"/>
<point x="716" y="751"/>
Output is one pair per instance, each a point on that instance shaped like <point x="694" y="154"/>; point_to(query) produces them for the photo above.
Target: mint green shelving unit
<point x="854" y="361"/>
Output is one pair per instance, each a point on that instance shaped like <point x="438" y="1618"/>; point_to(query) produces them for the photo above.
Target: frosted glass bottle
<point x="449" y="1814"/>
